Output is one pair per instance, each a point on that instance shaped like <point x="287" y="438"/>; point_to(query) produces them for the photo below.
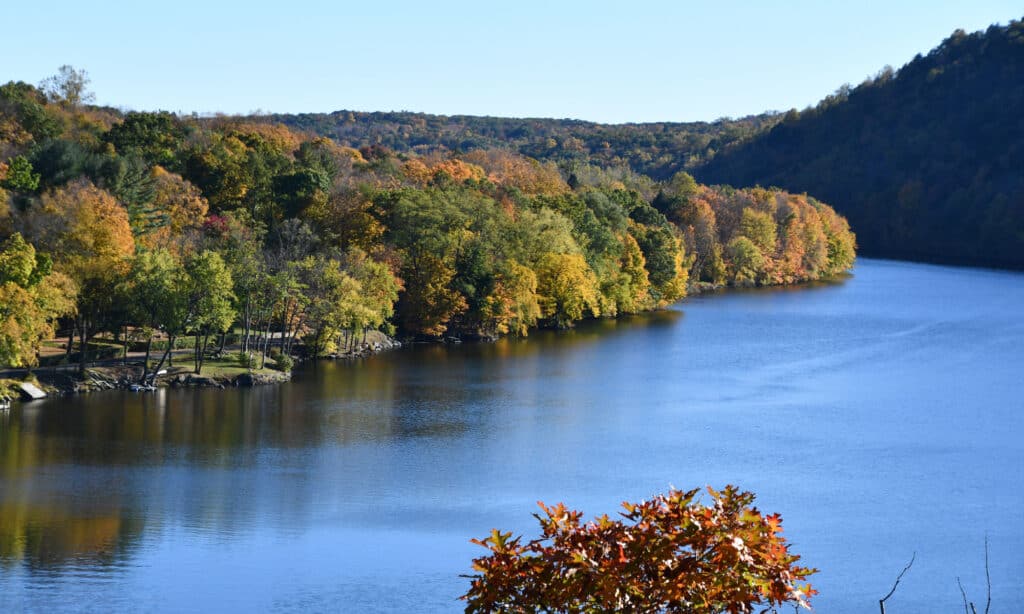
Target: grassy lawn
<point x="228" y="366"/>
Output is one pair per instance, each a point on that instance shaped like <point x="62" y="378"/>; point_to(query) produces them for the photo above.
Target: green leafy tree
<point x="20" y="175"/>
<point x="209" y="296"/>
<point x="759" y="227"/>
<point x="155" y="137"/>
<point x="24" y="117"/>
<point x="746" y="261"/>
<point x="151" y="286"/>
<point x="379" y="288"/>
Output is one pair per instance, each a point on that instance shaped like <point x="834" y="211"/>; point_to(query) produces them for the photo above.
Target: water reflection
<point x="70" y="496"/>
<point x="869" y="412"/>
<point x="50" y="537"/>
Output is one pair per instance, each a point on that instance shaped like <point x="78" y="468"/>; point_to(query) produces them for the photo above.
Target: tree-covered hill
<point x="145" y="225"/>
<point x="927" y="162"/>
<point x="658" y="150"/>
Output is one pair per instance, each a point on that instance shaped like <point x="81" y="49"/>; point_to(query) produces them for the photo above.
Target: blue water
<point x="880" y="415"/>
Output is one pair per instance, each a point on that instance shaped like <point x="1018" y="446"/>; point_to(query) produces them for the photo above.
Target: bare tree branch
<point x="963" y="594"/>
<point x="881" y="602"/>
<point x="988" y="579"/>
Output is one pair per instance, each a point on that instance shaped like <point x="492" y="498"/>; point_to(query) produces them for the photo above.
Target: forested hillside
<point x="658" y="150"/>
<point x="927" y="162"/>
<point x="148" y="223"/>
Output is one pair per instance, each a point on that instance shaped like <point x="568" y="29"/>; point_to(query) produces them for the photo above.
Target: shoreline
<point x="65" y="381"/>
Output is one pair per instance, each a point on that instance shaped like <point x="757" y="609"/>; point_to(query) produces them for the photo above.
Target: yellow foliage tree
<point x="567" y="289"/>
<point x="180" y="202"/>
<point x="88" y="232"/>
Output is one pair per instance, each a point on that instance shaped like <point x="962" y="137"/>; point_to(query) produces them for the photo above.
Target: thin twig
<point x="963" y="594"/>
<point x="988" y="579"/>
<point x="881" y="602"/>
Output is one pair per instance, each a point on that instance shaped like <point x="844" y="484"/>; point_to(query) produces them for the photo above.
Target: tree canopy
<point x="925" y="161"/>
<point x="672" y="553"/>
<point x="181" y="226"/>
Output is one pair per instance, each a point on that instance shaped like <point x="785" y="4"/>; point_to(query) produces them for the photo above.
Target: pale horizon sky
<point x="608" y="62"/>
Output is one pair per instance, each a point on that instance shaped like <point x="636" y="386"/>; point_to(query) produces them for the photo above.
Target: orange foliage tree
<point x="669" y="554"/>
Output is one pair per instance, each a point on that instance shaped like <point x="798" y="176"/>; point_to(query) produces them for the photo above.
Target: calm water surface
<point x="881" y="416"/>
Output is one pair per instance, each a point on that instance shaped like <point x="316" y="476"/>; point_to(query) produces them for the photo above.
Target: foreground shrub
<point x="670" y="554"/>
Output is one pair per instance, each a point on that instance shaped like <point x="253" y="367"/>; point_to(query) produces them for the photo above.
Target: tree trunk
<point x="166" y="356"/>
<point x="83" y="336"/>
<point x="299" y="324"/>
<point x="71" y="344"/>
<point x="124" y="355"/>
<point x="195" y="355"/>
<point x="202" y="353"/>
<point x="286" y="327"/>
<point x="246" y="324"/>
<point x="145" y="361"/>
<point x="266" y="346"/>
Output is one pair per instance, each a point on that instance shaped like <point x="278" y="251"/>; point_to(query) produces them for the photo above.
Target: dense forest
<point x="657" y="150"/>
<point x="927" y="162"/>
<point x="148" y="224"/>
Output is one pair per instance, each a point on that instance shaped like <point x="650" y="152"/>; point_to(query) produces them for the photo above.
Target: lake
<point x="881" y="415"/>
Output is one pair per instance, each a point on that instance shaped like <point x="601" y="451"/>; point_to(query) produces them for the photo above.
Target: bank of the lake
<point x="227" y="370"/>
<point x="880" y="415"/>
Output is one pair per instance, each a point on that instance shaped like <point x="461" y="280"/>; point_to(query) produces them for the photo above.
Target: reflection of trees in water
<point x="49" y="536"/>
<point x="79" y="475"/>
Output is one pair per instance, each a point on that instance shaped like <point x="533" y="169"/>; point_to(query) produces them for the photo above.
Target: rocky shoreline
<point x="127" y="377"/>
<point x="98" y="379"/>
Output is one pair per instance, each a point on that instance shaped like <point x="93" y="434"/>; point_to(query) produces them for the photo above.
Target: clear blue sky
<point x="604" y="61"/>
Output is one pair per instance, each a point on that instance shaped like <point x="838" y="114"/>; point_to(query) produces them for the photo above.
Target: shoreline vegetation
<point x="234" y="246"/>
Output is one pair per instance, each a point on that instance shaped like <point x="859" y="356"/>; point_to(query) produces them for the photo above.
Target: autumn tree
<point x="567" y="289"/>
<point x="673" y="553"/>
<point x="428" y="302"/>
<point x="175" y="206"/>
<point x="746" y="262"/>
<point x="513" y="307"/>
<point x="331" y="302"/>
<point x="378" y="287"/>
<point x="760" y="228"/>
<point x="32" y="297"/>
<point x="89" y="234"/>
